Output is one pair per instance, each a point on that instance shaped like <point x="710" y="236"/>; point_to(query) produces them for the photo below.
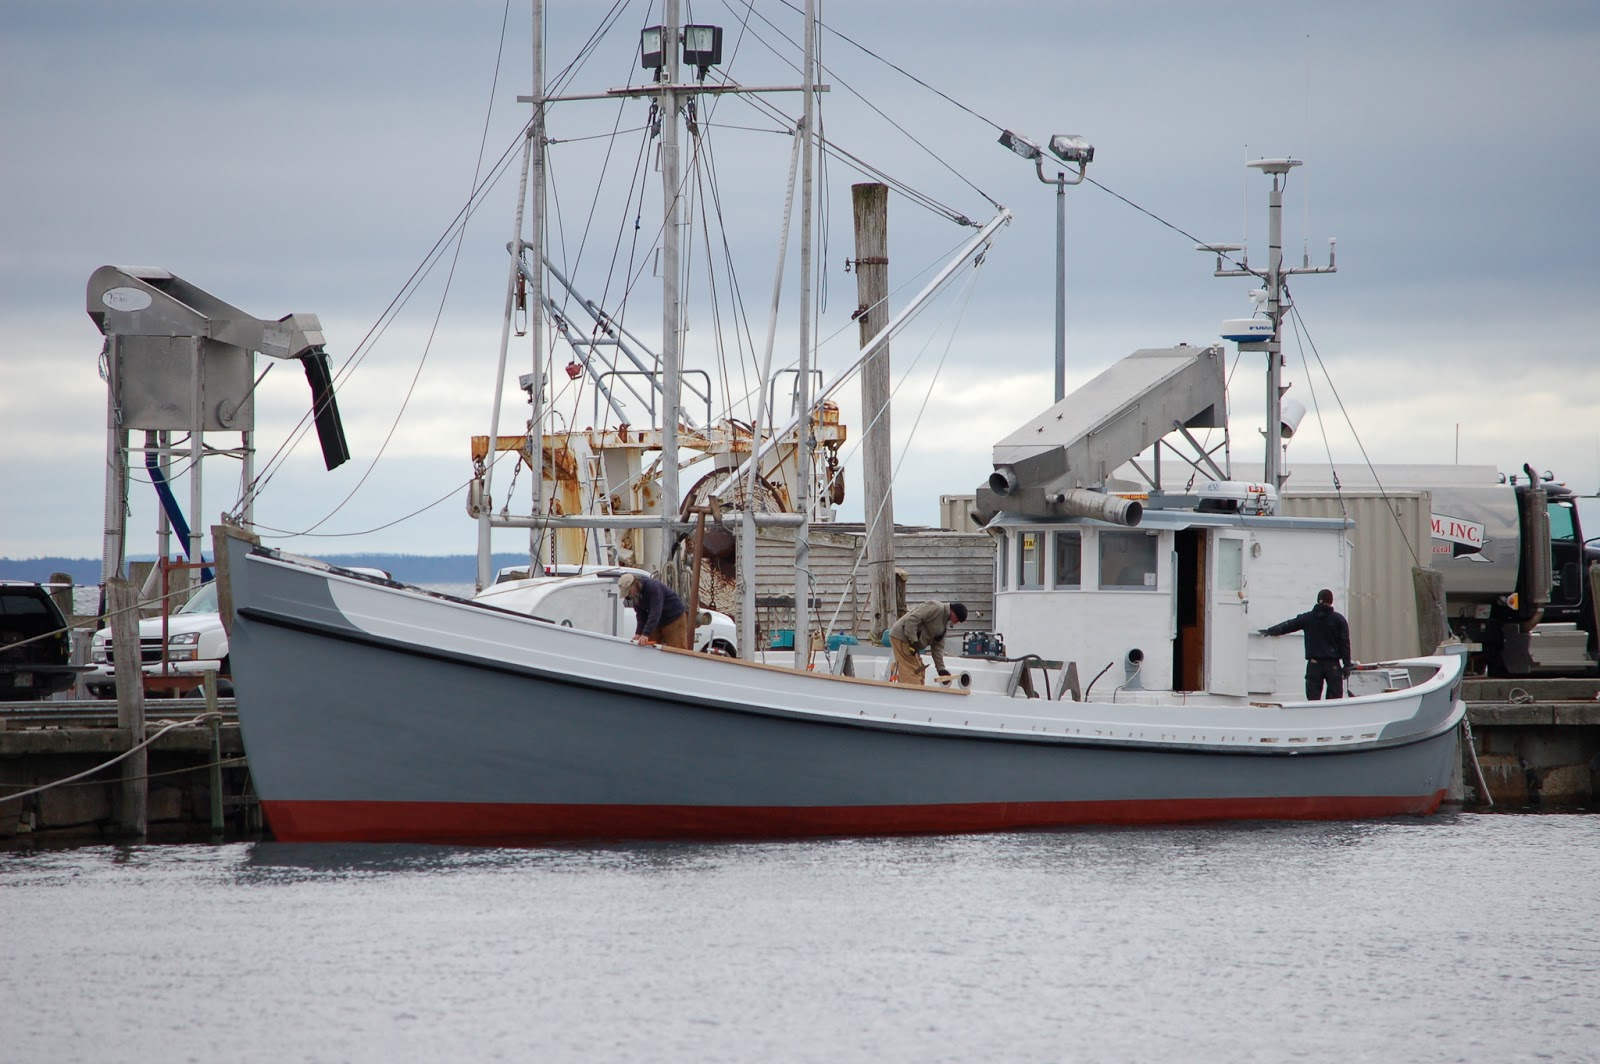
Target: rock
<point x="1566" y="785"/>
<point x="62" y="807"/>
<point x="1507" y="779"/>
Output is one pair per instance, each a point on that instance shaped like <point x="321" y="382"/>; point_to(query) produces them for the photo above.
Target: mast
<point x="802" y="544"/>
<point x="1276" y="304"/>
<point x="1273" y="469"/>
<point x="671" y="268"/>
<point x="536" y="297"/>
<point x="532" y="145"/>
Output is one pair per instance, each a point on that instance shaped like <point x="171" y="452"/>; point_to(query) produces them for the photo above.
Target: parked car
<point x="196" y="643"/>
<point x="32" y="668"/>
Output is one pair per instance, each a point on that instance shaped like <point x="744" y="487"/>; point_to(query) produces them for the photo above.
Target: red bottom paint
<point x="496" y="824"/>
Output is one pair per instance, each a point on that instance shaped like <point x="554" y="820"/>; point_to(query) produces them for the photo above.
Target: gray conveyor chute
<point x="1053" y="465"/>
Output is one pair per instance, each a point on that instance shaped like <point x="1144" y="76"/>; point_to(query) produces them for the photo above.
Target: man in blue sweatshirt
<point x="1327" y="636"/>
<point x="660" y="613"/>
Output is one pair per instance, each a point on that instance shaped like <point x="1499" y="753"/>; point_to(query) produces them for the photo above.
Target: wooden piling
<point x="1432" y="627"/>
<point x="871" y="202"/>
<point x="61" y="591"/>
<point x="214" y="724"/>
<point x="123" y="606"/>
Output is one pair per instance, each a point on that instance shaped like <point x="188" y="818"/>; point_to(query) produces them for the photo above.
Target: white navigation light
<point x="1294" y="411"/>
<point x="1021" y="145"/>
<point x="1247" y="330"/>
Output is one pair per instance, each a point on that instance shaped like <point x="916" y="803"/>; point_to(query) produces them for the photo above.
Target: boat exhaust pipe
<point x="1098" y="505"/>
<point x="1003" y="481"/>
<point x="1131" y="668"/>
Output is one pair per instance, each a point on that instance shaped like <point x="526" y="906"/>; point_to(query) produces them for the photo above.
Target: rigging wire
<point x="460" y="238"/>
<point x="835" y="77"/>
<point x="380" y="327"/>
<point x="285" y="534"/>
<point x="1392" y="507"/>
<point x="938" y="369"/>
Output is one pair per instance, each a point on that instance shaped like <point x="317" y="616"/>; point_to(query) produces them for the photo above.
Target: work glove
<point x="1349" y="667"/>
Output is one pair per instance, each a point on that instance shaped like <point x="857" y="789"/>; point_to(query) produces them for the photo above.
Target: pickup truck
<point x="195" y="643"/>
<point x="35" y="644"/>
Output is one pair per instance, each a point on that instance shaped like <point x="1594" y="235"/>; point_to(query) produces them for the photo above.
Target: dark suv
<point x="40" y="668"/>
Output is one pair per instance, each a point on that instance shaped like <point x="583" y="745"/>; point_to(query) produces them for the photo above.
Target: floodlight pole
<point x="1061" y="181"/>
<point x="1061" y="287"/>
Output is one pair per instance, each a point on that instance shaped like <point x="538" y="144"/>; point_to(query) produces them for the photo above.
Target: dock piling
<point x="214" y="725"/>
<point x="123" y="605"/>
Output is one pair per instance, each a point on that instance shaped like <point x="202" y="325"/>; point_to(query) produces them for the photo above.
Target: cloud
<point x="307" y="157"/>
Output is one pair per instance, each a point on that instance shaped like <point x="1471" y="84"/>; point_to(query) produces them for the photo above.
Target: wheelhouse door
<point x="1227" y="624"/>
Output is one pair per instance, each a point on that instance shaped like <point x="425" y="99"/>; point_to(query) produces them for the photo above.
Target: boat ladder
<point x="605" y="543"/>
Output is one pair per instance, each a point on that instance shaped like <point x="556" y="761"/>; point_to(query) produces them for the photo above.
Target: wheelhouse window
<point x="1230" y="565"/>
<point x="1030" y="559"/>
<point x="1000" y="570"/>
<point x="1069" y="559"/>
<point x="1128" y="561"/>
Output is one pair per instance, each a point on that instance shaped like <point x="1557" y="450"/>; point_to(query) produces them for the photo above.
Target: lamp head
<point x="1071" y="148"/>
<point x="1021" y="145"/>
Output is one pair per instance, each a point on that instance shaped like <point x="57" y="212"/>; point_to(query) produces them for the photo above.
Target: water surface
<point x="1460" y="938"/>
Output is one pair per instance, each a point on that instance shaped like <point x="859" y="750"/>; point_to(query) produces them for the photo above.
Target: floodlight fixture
<point x="651" y="55"/>
<point x="1021" y="145"/>
<point x="702" y="47"/>
<point x="1071" y="148"/>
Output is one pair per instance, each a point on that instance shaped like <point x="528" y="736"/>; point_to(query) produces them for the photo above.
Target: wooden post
<point x="61" y="592"/>
<point x="1432" y="628"/>
<point x="214" y="724"/>
<point x="123" y="605"/>
<point x="877" y="483"/>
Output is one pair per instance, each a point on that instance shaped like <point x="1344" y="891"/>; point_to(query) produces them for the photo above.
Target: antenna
<point x="1305" y="184"/>
<point x="1244" y="200"/>
<point x="1264" y="334"/>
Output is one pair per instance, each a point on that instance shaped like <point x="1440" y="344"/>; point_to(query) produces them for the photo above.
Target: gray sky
<point x="305" y="157"/>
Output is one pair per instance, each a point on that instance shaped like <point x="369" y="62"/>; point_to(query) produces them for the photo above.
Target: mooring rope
<point x="125" y="754"/>
<point x="1477" y="769"/>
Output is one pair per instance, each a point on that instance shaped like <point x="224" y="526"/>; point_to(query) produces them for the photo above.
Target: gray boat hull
<point x="355" y="732"/>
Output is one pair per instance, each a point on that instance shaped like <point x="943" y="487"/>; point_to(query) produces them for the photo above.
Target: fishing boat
<point x="375" y="711"/>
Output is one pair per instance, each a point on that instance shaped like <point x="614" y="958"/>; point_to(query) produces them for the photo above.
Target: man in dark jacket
<point x="661" y="616"/>
<point x="1327" y="636"/>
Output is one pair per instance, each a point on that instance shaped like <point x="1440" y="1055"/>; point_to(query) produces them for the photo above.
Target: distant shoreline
<point x="407" y="568"/>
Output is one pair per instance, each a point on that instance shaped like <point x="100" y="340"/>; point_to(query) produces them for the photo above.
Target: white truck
<point x="174" y="651"/>
<point x="1513" y="555"/>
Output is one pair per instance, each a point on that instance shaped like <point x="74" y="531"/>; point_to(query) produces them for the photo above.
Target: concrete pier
<point x="1538" y="742"/>
<point x="42" y="742"/>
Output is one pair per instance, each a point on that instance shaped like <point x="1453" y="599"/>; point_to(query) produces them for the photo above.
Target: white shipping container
<point x="1393" y="533"/>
